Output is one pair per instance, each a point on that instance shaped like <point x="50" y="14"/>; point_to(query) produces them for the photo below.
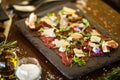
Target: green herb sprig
<point x="4" y="45"/>
<point x="79" y="61"/>
<point x="113" y="75"/>
<point x="86" y="22"/>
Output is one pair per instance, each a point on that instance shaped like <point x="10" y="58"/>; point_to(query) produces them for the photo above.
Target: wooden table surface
<point x="96" y="9"/>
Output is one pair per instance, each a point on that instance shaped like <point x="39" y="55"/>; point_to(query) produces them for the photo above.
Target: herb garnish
<point x="79" y="61"/>
<point x="4" y="45"/>
<point x="113" y="75"/>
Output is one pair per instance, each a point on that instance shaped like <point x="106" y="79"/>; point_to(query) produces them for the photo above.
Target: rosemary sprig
<point x="113" y="75"/>
<point x="4" y="45"/>
<point x="8" y="45"/>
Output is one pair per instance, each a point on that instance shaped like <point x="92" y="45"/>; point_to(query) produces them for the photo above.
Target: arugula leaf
<point x="88" y="35"/>
<point x="68" y="49"/>
<point x="61" y="36"/>
<point x="101" y="42"/>
<point x="82" y="42"/>
<point x="86" y="22"/>
<point x="79" y="61"/>
<point x="65" y="29"/>
<point x="57" y="22"/>
<point x="41" y="30"/>
<point x="51" y="14"/>
<point x="70" y="33"/>
<point x="73" y="43"/>
<point x="61" y="11"/>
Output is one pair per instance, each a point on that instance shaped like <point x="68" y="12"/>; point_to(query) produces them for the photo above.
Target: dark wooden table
<point x="96" y="9"/>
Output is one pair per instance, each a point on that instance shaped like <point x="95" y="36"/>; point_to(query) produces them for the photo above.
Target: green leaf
<point x="73" y="43"/>
<point x="79" y="61"/>
<point x="41" y="30"/>
<point x="65" y="29"/>
<point x="86" y="22"/>
<point x="88" y="35"/>
<point x="82" y="42"/>
<point x="70" y="33"/>
<point x="61" y="36"/>
<point x="57" y="22"/>
<point x="50" y="14"/>
<point x="61" y="11"/>
<point x="68" y="49"/>
<point x="101" y="42"/>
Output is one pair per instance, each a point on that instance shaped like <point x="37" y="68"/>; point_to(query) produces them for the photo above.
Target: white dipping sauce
<point x="28" y="71"/>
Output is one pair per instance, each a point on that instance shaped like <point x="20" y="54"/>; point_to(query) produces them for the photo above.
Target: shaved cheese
<point x="93" y="44"/>
<point x="75" y="15"/>
<point x="63" y="22"/>
<point x="81" y="25"/>
<point x="69" y="10"/>
<point x="69" y="38"/>
<point x="60" y="43"/>
<point x="48" y="20"/>
<point x="53" y="18"/>
<point x="48" y="32"/>
<point x="79" y="52"/>
<point x="76" y="36"/>
<point x="95" y="39"/>
<point x="95" y="33"/>
<point x="62" y="49"/>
